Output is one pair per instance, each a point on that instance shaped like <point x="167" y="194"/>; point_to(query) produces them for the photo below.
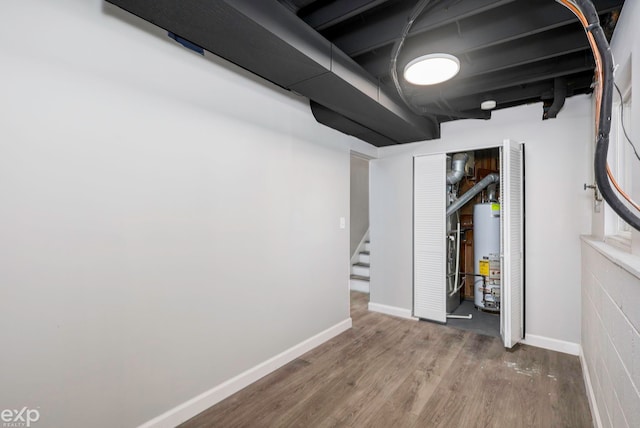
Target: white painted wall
<point x="557" y="209"/>
<point x="167" y="221"/>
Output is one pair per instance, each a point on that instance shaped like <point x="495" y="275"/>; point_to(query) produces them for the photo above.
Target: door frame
<point x="474" y="147"/>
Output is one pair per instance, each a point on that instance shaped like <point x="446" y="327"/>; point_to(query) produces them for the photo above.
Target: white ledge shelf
<point x="624" y="259"/>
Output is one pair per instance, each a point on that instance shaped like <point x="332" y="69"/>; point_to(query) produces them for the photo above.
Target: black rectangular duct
<point x="270" y="41"/>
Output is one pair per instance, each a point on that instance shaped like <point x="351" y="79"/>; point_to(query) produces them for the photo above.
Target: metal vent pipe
<point x="457" y="168"/>
<point x="492" y="192"/>
<point x="467" y="196"/>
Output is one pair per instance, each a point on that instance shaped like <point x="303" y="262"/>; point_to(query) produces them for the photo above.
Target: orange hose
<point x="617" y="186"/>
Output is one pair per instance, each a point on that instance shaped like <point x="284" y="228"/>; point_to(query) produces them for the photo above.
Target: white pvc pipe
<point x="458" y="288"/>
<point x="460" y="317"/>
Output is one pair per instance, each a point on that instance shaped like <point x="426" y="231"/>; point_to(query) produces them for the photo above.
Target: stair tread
<point x="366" y="253"/>
<point x="360" y="277"/>
<point x="361" y="264"/>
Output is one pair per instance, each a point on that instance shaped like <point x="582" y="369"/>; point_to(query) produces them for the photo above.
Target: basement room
<point x="320" y="213"/>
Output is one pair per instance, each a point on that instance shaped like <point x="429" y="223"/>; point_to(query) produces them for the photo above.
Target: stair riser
<point x="360" y="270"/>
<point x="359" y="285"/>
<point x="363" y="258"/>
<point x="367" y="246"/>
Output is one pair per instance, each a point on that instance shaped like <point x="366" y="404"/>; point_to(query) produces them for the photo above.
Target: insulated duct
<point x="265" y="38"/>
<point x="559" y="97"/>
<point x="471" y="193"/>
<point x="455" y="174"/>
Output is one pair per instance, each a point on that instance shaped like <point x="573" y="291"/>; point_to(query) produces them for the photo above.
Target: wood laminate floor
<point x="389" y="372"/>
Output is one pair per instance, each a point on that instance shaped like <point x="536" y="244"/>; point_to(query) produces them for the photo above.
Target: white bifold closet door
<point x="429" y="234"/>
<point x="512" y="246"/>
<point x="429" y="211"/>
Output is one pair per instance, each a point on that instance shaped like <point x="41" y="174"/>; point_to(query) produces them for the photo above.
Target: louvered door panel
<point x="429" y="291"/>
<point x="512" y="217"/>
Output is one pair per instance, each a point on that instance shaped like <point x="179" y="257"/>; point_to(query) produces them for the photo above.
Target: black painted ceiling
<point x="512" y="51"/>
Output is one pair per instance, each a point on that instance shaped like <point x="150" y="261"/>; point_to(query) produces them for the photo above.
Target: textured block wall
<point x="611" y="336"/>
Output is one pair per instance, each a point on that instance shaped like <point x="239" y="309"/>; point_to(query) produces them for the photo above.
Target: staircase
<point x="360" y="269"/>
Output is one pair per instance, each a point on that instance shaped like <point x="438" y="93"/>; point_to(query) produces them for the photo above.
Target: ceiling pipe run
<point x="471" y="193"/>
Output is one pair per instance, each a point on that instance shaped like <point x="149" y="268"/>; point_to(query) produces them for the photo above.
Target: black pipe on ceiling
<point x="559" y="97"/>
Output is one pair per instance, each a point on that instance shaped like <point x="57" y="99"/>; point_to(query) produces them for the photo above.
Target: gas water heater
<point x="486" y="252"/>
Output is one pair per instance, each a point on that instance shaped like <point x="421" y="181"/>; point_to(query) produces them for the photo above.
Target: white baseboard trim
<point x="552" y="344"/>
<point x="392" y="310"/>
<point x="198" y="404"/>
<point x="591" y="396"/>
<point x="358" y="285"/>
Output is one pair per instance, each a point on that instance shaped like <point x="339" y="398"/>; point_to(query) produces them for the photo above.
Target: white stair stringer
<point x="360" y="268"/>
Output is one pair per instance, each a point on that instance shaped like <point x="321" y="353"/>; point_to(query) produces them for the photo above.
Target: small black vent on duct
<point x="186" y="43"/>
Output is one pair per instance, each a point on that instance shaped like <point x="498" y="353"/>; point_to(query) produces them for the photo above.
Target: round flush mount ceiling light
<point x="432" y="69"/>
